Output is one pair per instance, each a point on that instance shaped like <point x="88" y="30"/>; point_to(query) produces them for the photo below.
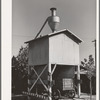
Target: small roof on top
<point x="64" y="31"/>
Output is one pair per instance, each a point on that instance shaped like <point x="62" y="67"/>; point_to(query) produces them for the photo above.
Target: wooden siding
<point x="38" y="52"/>
<point x="59" y="49"/>
<point x="63" y="50"/>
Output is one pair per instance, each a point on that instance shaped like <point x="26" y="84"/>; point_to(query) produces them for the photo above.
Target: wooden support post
<point x="38" y="78"/>
<point x="54" y="69"/>
<point x="29" y="72"/>
<point x="78" y="78"/>
<point x="49" y="82"/>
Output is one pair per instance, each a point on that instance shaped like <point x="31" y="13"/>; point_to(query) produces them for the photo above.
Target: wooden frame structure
<point x="50" y="73"/>
<point x="61" y="48"/>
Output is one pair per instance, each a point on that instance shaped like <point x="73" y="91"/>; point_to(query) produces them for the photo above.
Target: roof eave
<point x="51" y="34"/>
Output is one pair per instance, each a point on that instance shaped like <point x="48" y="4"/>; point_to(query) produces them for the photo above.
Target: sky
<point x="78" y="16"/>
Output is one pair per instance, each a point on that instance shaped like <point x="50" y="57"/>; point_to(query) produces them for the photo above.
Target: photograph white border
<point x="97" y="50"/>
<point x="6" y="48"/>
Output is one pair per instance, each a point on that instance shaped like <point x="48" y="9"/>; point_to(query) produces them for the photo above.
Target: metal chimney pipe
<point x="53" y="11"/>
<point x="53" y="20"/>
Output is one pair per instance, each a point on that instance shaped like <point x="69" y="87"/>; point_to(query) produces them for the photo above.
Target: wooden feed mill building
<point x="52" y="61"/>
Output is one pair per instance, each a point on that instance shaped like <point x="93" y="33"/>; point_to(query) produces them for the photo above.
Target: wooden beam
<point x="78" y="78"/>
<point x="49" y="82"/>
<point x="54" y="69"/>
<point x="29" y="71"/>
<point x="38" y="78"/>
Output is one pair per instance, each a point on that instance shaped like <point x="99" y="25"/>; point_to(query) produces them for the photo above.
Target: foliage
<point x="89" y="66"/>
<point x="20" y="70"/>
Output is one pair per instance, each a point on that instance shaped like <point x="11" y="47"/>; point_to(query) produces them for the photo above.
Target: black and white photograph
<point x="54" y="50"/>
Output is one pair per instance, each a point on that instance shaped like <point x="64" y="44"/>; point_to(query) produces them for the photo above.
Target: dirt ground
<point x="87" y="96"/>
<point x="83" y="95"/>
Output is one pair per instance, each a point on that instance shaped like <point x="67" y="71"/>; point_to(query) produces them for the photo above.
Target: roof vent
<point x="53" y="20"/>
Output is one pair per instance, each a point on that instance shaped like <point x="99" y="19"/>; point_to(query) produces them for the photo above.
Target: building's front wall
<point x="38" y="52"/>
<point x="63" y="50"/>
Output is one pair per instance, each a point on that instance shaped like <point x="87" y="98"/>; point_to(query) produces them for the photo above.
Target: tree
<point x="20" y="70"/>
<point x="22" y="59"/>
<point x="91" y="70"/>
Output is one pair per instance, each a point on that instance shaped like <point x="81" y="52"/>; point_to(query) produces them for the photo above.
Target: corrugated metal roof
<point x="64" y="31"/>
